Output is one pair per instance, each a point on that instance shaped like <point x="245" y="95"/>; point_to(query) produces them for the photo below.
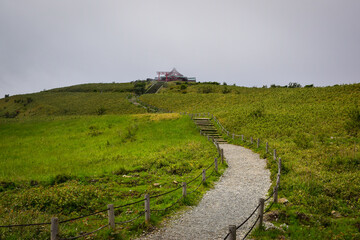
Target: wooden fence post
<point x="261" y="211"/>
<point x="204" y="175"/>
<point x="184" y="189"/>
<point x="147" y="208"/>
<point x="233" y="136"/>
<point x="216" y="165"/>
<point x="251" y="140"/>
<point x="274" y="154"/>
<point x="267" y="147"/>
<point x="111" y="216"/>
<point x="242" y="137"/>
<point x="232" y="230"/>
<point x="222" y="155"/>
<point x="258" y="142"/>
<point x="275" y="194"/>
<point x="278" y="180"/>
<point x="279" y="166"/>
<point x="54" y="228"/>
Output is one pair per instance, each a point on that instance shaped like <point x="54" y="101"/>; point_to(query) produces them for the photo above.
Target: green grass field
<point x="72" y="165"/>
<point x="316" y="131"/>
<point x="71" y="151"/>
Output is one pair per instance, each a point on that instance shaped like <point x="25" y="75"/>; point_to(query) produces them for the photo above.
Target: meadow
<point x="67" y="166"/>
<point x="316" y="132"/>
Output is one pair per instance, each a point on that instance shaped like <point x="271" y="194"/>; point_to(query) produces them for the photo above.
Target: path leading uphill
<point x="231" y="201"/>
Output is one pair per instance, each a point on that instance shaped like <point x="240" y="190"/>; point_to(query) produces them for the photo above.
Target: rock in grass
<point x="335" y="214"/>
<point x="283" y="201"/>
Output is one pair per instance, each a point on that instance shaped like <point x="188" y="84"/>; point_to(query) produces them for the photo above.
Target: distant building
<point x="173" y="75"/>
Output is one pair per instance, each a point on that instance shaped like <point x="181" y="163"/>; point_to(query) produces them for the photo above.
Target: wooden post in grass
<point x="251" y="140"/>
<point x="278" y="180"/>
<point x="279" y="166"/>
<point x="267" y="147"/>
<point x="242" y="137"/>
<point x="184" y="189"/>
<point x="54" y="228"/>
<point x="204" y="175"/>
<point x="147" y="208"/>
<point x="222" y="155"/>
<point x="111" y="216"/>
<point x="216" y="165"/>
<point x="258" y="142"/>
<point x="233" y="136"/>
<point x="232" y="231"/>
<point x="261" y="211"/>
<point x="274" y="154"/>
<point x="275" y="194"/>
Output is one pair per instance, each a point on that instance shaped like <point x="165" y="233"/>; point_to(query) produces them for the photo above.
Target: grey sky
<point x="47" y="43"/>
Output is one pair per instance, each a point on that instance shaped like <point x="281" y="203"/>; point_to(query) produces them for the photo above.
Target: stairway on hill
<point x="154" y="88"/>
<point x="208" y="129"/>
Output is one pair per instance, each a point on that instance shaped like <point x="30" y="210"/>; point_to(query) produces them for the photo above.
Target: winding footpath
<point x="230" y="202"/>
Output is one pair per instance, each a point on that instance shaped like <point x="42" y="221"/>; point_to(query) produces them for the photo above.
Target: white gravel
<point x="232" y="200"/>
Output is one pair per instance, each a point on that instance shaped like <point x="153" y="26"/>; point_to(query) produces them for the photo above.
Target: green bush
<point x="352" y="125"/>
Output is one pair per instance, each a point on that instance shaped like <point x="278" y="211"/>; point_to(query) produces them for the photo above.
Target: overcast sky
<point x="51" y="43"/>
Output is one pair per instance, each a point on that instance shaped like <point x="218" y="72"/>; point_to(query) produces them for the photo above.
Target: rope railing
<point x="251" y="227"/>
<point x="85" y="234"/>
<point x="133" y="219"/>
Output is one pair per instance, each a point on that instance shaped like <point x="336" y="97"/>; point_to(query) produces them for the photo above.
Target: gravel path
<point x="232" y="200"/>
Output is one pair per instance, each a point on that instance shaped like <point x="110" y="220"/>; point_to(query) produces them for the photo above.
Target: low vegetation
<point x="69" y="166"/>
<point x="67" y="103"/>
<point x="315" y="131"/>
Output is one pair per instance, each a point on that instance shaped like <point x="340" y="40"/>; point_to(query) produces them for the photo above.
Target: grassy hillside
<point x="72" y="165"/>
<point x="67" y="103"/>
<point x="316" y="131"/>
<point x="97" y="87"/>
<point x="83" y="99"/>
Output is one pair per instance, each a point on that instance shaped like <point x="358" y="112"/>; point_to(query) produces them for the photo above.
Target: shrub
<point x="258" y="112"/>
<point x="226" y="90"/>
<point x="29" y="100"/>
<point x="100" y="111"/>
<point x="205" y="89"/>
<point x="11" y="115"/>
<point x="302" y="141"/>
<point x="139" y="88"/>
<point x="352" y="125"/>
<point x="294" y="85"/>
